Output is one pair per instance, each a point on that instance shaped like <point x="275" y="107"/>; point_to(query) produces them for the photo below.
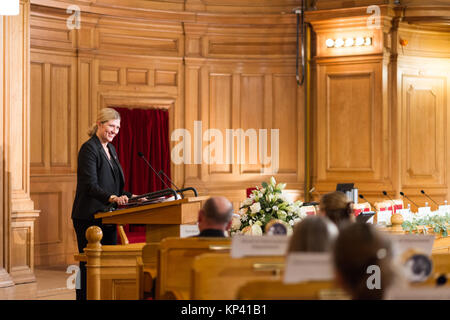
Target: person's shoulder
<point x="89" y="145"/>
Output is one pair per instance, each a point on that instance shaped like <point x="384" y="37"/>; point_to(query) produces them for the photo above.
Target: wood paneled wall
<point x="381" y="111"/>
<point x="199" y="62"/>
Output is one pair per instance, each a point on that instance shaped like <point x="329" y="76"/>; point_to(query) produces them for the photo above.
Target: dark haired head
<point x="358" y="247"/>
<point x="336" y="207"/>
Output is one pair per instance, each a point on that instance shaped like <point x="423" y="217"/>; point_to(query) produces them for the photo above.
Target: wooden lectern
<point x="161" y="219"/>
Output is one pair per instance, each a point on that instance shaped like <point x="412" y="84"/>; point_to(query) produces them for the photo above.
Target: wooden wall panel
<point x="424" y="122"/>
<point x="285" y="113"/>
<point x="349" y="117"/>
<point x="349" y="124"/>
<point x="251" y="117"/>
<point x="37" y="96"/>
<point x="60" y="122"/>
<point x="220" y="118"/>
<point x="55" y="240"/>
<point x="53" y="102"/>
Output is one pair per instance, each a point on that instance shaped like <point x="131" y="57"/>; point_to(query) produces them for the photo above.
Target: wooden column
<point x="93" y="253"/>
<point x="18" y="209"/>
<point x="5" y="217"/>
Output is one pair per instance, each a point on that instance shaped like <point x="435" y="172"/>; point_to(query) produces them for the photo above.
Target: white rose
<point x="256" y="230"/>
<point x="248" y="201"/>
<point x="243" y="211"/>
<point x="254" y="208"/>
<point x="289" y="231"/>
<point x="235" y="223"/>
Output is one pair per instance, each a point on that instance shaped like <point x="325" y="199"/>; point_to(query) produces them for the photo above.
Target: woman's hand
<point x="119" y="200"/>
<point x="140" y="199"/>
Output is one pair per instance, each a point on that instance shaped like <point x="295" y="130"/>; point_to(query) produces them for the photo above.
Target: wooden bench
<point x="146" y="270"/>
<point x="277" y="290"/>
<point x="219" y="276"/>
<point x="316" y="290"/>
<point x="174" y="263"/>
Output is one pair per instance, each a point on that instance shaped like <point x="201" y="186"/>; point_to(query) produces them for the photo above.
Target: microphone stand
<point x="178" y="189"/>
<point x="423" y="192"/>
<point x="159" y="193"/>
<point x="404" y="195"/>
<point x="393" y="203"/>
<point x="362" y="197"/>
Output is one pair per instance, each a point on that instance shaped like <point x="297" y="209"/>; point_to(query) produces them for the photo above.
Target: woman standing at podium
<point x="100" y="183"/>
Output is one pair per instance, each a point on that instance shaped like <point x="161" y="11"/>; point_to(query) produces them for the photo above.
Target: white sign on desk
<point x="419" y="242"/>
<point x="188" y="230"/>
<point x="384" y="217"/>
<point x="443" y="210"/>
<point x="247" y="246"/>
<point x="302" y="266"/>
<point x="423" y="211"/>
<point x="406" y="214"/>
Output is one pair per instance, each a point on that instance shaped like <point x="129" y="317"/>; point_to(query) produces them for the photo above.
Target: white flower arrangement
<point x="265" y="205"/>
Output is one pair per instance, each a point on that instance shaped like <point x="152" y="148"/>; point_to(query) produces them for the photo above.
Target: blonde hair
<point x="105" y="115"/>
<point x="336" y="207"/>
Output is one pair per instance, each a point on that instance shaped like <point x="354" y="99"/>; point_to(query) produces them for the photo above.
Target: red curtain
<point x="146" y="131"/>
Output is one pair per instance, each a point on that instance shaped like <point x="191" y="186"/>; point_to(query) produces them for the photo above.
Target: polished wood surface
<point x="175" y="259"/>
<point x="214" y="270"/>
<point x="161" y="219"/>
<point x="277" y="290"/>
<point x="110" y="270"/>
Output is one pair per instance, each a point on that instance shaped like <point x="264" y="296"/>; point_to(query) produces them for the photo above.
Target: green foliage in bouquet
<point x="264" y="205"/>
<point x="438" y="224"/>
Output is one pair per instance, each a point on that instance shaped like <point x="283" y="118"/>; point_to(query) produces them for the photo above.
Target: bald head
<point x="218" y="210"/>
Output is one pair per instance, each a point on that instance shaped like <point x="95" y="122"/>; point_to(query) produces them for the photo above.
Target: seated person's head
<point x="336" y="207"/>
<point x="313" y="234"/>
<point x="215" y="214"/>
<point x="358" y="247"/>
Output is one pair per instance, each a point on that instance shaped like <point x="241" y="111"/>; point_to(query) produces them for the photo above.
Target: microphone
<point x="404" y="195"/>
<point x="140" y="154"/>
<point x="176" y="188"/>
<point x="423" y="192"/>
<point x="362" y="197"/>
<point x="392" y="200"/>
<point x="311" y="191"/>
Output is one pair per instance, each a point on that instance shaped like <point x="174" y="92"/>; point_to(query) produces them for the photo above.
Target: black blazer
<point x="95" y="179"/>
<point x="214" y="233"/>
